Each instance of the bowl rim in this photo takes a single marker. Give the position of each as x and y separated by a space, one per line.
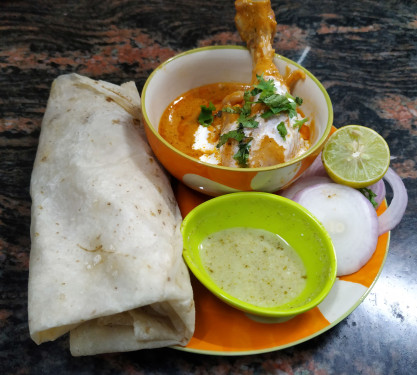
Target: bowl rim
270 312
312 150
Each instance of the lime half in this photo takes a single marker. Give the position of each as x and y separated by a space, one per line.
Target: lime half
356 156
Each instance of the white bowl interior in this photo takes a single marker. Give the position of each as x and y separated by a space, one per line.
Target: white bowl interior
203 66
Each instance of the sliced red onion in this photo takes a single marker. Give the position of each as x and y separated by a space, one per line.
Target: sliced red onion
395 211
303 183
350 219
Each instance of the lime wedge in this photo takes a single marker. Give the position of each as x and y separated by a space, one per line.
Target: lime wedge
356 156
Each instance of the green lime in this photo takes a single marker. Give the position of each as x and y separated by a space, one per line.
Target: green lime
356 156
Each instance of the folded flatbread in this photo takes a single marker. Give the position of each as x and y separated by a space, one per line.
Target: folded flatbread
106 258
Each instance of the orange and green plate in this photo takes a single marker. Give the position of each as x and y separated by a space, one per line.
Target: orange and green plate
223 330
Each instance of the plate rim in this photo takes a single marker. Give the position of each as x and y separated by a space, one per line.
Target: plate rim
309 337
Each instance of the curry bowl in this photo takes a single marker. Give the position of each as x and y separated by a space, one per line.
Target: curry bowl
256 274
207 65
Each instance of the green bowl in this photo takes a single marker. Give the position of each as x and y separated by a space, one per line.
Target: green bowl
276 214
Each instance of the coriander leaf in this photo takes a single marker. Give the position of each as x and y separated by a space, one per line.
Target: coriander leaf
242 156
282 129
247 105
265 88
247 122
232 109
206 115
279 103
255 92
267 114
298 100
292 110
247 95
237 134
370 195
276 100
298 123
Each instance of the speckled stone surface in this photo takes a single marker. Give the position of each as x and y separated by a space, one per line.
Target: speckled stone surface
365 54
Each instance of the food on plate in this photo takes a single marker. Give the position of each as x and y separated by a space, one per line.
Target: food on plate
350 219
241 125
260 253
349 214
356 156
179 125
105 262
253 265
393 215
264 126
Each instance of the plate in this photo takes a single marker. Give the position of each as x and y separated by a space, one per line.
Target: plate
223 330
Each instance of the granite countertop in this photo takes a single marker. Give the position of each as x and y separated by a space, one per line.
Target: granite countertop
364 53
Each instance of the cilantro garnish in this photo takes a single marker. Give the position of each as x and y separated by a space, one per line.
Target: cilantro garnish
232 109
247 104
247 122
206 115
277 103
237 134
298 100
299 123
265 88
274 103
243 120
370 195
242 156
282 129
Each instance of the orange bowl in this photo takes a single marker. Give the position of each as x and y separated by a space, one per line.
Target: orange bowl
207 65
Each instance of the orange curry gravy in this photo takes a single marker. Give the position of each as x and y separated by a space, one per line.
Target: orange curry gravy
179 122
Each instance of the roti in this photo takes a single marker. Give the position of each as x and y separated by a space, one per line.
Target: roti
106 255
